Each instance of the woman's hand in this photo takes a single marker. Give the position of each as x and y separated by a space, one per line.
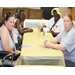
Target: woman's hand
47 43
30 30
16 51
42 28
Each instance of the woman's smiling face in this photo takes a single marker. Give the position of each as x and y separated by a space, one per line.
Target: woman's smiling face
10 23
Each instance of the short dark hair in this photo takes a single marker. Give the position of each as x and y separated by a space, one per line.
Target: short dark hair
54 11
18 14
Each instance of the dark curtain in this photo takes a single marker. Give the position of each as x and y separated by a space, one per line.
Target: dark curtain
47 12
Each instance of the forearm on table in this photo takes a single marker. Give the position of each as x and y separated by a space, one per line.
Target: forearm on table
43 27
58 46
22 32
53 33
54 40
25 31
25 28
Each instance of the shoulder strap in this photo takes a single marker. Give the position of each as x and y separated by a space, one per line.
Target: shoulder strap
54 24
2 27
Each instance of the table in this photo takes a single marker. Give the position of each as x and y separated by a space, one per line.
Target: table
33 23
36 66
38 54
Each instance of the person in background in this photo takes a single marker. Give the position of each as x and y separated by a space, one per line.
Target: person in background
55 24
19 23
67 41
18 28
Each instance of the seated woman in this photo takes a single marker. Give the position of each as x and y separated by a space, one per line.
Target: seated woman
6 35
67 42
18 28
19 23
55 24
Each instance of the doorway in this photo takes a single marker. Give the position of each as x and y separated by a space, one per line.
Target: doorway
47 12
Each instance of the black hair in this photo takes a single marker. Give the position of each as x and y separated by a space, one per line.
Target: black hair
54 11
18 14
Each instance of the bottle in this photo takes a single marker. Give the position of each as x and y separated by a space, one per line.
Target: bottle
44 31
39 29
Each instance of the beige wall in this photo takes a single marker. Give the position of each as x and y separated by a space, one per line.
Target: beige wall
1 8
63 10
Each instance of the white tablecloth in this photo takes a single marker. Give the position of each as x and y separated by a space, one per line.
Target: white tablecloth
33 23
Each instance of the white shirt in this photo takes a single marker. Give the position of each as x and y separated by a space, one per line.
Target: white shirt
11 43
58 26
16 33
